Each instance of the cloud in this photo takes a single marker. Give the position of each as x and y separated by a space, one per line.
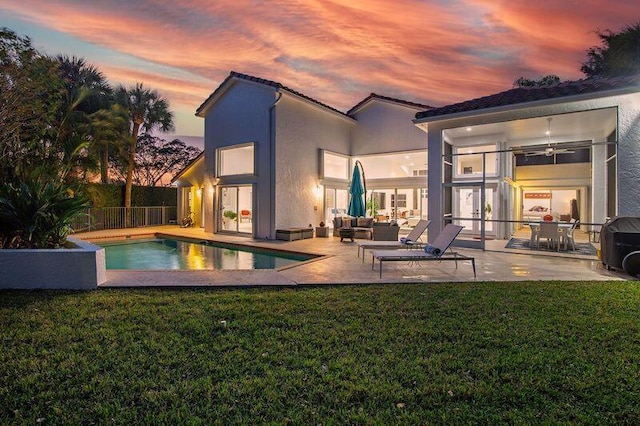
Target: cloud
435 52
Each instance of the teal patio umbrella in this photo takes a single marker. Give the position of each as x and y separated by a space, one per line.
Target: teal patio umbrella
356 205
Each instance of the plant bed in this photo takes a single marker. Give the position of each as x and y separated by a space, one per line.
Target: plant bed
76 266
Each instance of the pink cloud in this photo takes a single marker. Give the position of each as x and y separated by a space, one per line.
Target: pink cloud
335 51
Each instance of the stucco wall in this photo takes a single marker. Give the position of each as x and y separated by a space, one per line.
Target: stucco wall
386 127
241 115
629 156
302 130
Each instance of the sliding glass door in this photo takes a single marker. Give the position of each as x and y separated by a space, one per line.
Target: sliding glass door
236 209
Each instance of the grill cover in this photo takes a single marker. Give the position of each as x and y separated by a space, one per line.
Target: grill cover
619 237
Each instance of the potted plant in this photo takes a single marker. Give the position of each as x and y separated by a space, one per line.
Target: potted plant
228 216
487 211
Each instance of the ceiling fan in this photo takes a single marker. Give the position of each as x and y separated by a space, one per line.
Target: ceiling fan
548 149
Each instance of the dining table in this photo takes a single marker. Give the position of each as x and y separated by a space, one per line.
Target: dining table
563 227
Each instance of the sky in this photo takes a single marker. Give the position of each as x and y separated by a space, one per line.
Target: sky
434 52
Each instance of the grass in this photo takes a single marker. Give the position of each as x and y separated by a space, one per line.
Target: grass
534 352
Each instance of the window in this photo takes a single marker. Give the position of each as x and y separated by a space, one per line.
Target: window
236 160
469 160
334 166
400 201
398 165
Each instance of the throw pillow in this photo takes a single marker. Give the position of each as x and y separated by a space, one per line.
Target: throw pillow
429 249
337 222
346 222
365 222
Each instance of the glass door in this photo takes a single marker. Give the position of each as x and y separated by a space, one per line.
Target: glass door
236 209
468 209
336 203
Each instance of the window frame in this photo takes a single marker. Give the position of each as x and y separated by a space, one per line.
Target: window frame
219 159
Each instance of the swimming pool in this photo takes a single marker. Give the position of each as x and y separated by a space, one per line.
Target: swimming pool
168 253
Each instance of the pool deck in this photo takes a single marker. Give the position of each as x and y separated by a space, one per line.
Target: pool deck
339 264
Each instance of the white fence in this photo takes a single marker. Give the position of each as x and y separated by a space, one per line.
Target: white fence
96 219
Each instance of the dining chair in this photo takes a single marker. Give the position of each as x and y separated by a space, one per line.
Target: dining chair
567 235
549 231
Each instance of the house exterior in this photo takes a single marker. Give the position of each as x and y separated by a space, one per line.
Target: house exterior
571 150
276 159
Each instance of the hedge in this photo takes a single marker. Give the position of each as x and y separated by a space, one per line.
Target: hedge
112 195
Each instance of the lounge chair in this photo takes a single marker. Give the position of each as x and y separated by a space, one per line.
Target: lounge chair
435 251
411 239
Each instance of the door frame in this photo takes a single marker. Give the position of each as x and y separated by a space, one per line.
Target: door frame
221 208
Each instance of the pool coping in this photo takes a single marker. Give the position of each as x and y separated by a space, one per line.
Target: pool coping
231 245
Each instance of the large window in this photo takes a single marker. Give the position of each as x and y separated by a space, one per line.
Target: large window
468 161
334 166
236 160
388 166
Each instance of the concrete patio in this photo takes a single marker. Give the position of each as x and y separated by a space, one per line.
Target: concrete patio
339 264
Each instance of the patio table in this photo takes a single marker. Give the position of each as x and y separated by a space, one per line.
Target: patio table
535 227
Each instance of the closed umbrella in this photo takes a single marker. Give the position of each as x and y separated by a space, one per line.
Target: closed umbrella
356 205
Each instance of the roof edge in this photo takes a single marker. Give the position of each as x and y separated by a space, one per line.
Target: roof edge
402 102
278 86
523 97
187 167
524 105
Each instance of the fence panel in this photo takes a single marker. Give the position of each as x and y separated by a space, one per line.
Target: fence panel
95 219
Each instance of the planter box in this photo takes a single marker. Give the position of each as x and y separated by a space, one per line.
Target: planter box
79 266
290 234
322 231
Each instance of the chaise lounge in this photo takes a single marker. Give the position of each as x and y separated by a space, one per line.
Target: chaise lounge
412 239
436 251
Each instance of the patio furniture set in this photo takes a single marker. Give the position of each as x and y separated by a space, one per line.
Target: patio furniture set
555 234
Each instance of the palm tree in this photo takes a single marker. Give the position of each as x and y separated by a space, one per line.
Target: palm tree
110 134
148 111
85 91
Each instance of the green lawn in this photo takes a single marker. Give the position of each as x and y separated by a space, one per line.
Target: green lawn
534 352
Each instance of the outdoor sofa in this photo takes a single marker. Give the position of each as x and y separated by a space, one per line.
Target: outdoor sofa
362 226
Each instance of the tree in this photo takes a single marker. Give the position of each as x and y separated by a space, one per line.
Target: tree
109 133
86 91
30 98
155 158
147 111
618 54
547 80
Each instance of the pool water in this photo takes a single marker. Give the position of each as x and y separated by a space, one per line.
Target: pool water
165 253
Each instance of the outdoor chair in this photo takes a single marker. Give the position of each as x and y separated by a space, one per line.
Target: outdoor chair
412 239
566 235
548 231
436 251
245 215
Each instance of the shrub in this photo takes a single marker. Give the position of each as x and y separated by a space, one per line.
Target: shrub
37 214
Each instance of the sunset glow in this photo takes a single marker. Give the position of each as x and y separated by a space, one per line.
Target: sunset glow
337 52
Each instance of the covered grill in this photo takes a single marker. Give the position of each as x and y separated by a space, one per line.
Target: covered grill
619 237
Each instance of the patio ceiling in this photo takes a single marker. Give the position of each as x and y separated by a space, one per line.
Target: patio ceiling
593 125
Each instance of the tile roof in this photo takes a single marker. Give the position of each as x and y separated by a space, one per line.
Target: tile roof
386 98
530 94
266 82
